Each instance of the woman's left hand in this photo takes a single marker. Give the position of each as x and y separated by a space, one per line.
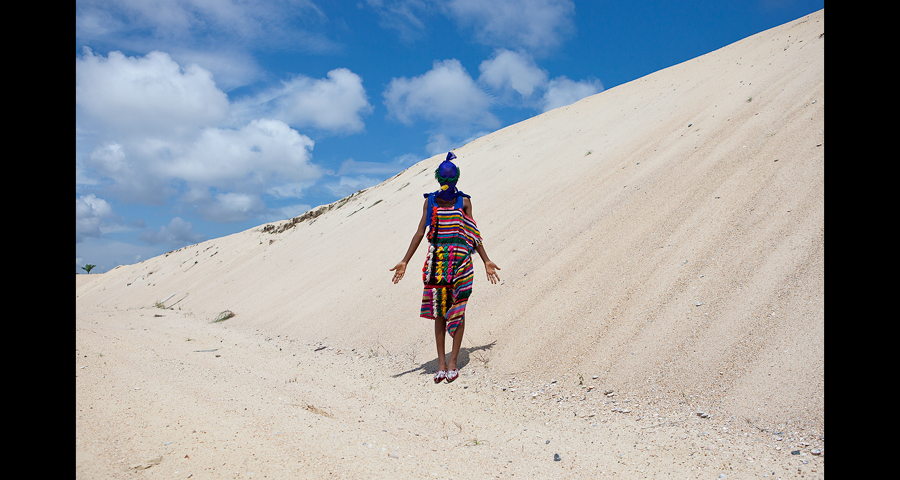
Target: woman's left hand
399 270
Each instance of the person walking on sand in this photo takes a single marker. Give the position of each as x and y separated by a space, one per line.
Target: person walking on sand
448 273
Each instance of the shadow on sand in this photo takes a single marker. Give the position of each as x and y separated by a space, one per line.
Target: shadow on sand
465 354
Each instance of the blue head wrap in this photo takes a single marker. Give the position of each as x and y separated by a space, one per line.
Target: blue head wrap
447 174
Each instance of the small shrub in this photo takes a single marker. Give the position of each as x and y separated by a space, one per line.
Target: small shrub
224 316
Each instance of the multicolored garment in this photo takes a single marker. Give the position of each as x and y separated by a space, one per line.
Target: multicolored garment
448 271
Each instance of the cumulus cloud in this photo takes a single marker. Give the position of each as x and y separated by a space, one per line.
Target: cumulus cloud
561 91
247 159
92 215
446 95
149 129
225 172
149 95
109 158
335 103
538 26
507 70
178 232
127 177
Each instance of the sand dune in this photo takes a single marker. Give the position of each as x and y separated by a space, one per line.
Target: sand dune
662 240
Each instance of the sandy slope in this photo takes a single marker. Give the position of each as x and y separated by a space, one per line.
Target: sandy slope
665 236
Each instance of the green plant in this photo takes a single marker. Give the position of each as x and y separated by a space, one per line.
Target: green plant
87 268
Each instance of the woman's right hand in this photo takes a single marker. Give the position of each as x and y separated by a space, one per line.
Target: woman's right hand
491 270
399 270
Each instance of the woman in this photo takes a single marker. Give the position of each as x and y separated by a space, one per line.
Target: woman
453 236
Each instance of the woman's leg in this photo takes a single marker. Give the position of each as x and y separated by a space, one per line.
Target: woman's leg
457 342
440 325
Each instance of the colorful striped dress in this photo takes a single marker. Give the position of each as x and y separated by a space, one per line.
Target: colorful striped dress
448 271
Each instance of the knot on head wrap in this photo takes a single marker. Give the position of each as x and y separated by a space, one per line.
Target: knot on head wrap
447 174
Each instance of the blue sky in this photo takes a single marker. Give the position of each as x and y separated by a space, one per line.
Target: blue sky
198 119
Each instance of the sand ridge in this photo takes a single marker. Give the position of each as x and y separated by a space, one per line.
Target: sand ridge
665 236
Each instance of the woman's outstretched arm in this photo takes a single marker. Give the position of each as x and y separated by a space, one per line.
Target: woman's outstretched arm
489 267
400 268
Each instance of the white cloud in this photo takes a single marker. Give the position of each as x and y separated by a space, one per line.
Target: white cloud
92 216
109 159
265 156
536 25
446 94
150 95
149 128
335 104
507 70
261 153
561 91
178 232
227 171
128 176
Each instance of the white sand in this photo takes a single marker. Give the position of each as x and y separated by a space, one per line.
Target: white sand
665 236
